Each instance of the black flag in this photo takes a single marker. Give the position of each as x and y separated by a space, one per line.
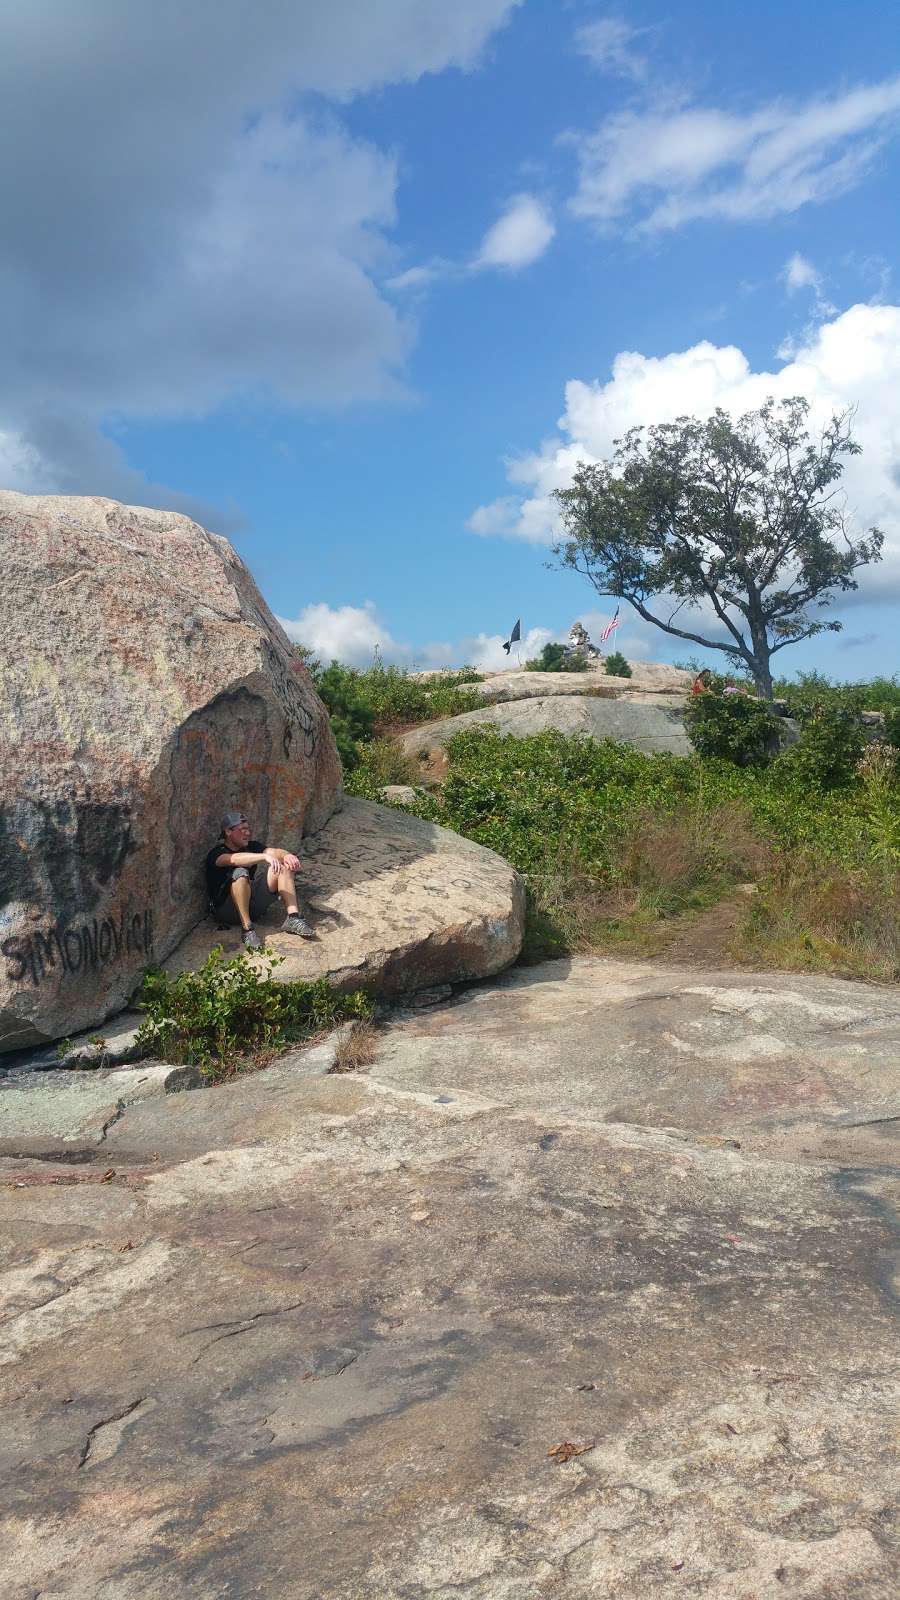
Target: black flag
514 637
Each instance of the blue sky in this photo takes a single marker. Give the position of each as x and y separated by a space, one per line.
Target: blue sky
358 287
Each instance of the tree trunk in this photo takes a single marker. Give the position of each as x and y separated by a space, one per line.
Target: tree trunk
762 674
759 666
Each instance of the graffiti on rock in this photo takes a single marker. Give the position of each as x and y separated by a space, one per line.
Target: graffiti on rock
77 948
289 682
67 850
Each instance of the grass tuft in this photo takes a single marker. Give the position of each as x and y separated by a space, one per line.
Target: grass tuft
357 1047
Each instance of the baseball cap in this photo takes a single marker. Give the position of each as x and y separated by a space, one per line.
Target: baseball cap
231 819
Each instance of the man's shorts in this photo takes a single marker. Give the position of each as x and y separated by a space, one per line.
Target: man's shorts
261 897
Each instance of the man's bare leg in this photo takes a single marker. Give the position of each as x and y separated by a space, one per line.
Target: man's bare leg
240 895
284 885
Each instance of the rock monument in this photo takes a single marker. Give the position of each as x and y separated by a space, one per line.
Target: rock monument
580 646
146 688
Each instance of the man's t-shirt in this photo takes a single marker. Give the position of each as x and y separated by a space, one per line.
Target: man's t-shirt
218 879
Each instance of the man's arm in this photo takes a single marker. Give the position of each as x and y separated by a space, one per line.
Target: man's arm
243 858
283 857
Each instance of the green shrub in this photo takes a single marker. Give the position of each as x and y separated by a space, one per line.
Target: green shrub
892 727
233 1009
396 697
611 841
734 727
360 703
380 763
813 914
831 744
812 689
553 658
617 666
352 718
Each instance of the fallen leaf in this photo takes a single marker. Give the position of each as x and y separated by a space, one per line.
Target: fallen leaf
731 1429
109 1173
566 1450
677 1566
126 1246
586 1386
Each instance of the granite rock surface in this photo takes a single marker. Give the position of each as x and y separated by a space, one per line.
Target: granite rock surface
397 904
147 688
649 722
588 1288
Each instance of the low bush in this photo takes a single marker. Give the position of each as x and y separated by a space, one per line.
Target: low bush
380 763
351 713
612 842
831 744
735 727
363 703
814 914
554 658
397 697
232 1010
809 690
617 666
892 727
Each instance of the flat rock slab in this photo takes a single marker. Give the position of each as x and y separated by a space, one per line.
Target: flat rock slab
55 1115
397 904
588 1288
652 678
114 1043
647 722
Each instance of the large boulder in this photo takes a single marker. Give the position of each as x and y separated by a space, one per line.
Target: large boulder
397 904
649 722
654 677
146 689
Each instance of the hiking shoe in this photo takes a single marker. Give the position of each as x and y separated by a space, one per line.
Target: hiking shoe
294 923
251 940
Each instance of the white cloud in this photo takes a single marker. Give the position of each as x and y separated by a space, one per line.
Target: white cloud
660 169
608 43
350 634
518 237
799 274
853 359
484 651
423 277
181 227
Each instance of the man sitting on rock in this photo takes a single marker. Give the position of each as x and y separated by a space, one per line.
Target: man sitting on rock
237 893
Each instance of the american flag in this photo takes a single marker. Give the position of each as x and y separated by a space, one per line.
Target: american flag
610 627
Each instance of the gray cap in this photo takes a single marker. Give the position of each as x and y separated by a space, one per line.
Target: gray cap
231 819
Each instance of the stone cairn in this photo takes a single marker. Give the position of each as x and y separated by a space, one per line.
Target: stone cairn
581 647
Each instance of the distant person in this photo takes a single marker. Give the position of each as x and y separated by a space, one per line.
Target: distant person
701 682
238 893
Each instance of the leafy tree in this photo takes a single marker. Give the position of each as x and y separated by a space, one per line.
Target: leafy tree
617 666
742 517
553 658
